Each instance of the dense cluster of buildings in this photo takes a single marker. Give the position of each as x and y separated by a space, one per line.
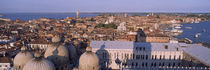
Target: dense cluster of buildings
118 42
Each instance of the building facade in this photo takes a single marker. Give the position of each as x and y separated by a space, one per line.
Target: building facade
136 55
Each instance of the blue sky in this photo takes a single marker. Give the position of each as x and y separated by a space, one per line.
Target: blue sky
31 6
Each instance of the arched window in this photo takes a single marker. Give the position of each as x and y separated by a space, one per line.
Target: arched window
163 64
174 57
146 64
163 56
146 57
136 64
170 57
159 64
142 64
155 57
152 57
179 57
160 57
174 64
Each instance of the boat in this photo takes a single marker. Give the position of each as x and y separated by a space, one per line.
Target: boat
196 22
176 31
188 27
177 27
197 35
204 30
187 40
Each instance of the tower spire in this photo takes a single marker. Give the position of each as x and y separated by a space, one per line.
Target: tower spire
77 13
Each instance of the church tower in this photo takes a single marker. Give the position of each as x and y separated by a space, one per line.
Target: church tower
77 13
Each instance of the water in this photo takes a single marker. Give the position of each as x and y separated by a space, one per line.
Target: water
30 16
196 28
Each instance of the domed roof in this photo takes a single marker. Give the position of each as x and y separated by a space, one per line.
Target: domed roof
56 39
22 58
72 52
39 63
58 54
88 60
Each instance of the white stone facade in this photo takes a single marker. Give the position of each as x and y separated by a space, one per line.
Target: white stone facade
145 56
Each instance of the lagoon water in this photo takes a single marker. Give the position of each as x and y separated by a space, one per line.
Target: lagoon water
203 28
30 16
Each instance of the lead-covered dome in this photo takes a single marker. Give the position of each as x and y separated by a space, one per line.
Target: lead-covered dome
72 52
58 54
22 58
56 39
88 60
39 63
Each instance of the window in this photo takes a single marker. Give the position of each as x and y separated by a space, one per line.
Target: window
174 57
159 64
142 64
132 64
179 57
131 56
136 64
105 55
163 56
144 48
174 64
155 64
160 57
151 64
155 57
146 57
122 55
152 57
179 64
115 56
170 57
125 56
137 56
146 64
166 46
163 64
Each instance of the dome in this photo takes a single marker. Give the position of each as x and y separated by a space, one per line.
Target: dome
22 58
39 63
58 54
88 60
72 52
56 39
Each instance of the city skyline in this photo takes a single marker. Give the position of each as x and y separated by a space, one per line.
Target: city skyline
55 6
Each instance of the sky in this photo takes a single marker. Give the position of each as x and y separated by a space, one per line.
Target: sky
45 6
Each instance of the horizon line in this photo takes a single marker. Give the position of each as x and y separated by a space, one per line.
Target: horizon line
104 12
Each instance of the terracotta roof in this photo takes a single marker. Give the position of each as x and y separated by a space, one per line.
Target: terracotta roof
5 60
39 41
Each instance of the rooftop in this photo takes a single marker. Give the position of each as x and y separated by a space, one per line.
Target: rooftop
197 51
133 45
